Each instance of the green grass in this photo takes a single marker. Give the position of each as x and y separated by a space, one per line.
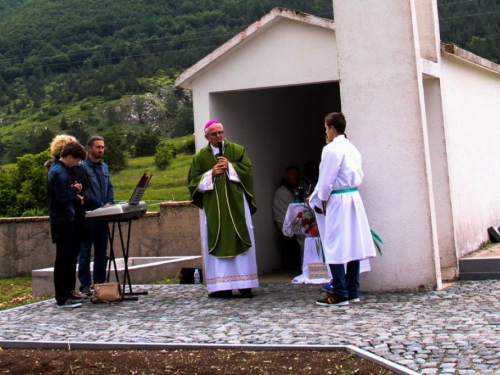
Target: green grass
16 291
167 280
165 186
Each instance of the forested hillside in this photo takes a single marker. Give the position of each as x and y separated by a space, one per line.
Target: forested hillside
473 25
82 66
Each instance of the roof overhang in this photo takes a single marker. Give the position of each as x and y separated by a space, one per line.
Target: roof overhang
189 75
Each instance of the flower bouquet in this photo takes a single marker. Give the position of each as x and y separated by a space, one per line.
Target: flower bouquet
305 223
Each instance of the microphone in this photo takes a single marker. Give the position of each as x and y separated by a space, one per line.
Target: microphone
220 148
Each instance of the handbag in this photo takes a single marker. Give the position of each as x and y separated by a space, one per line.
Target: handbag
107 292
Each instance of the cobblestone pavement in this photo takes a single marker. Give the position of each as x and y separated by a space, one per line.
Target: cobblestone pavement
452 331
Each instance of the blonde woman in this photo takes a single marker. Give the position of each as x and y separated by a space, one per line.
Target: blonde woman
78 176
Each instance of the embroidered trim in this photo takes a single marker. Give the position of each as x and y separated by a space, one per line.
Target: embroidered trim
227 279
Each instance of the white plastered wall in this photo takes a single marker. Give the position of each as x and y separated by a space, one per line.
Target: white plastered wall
285 53
440 178
383 100
471 97
272 93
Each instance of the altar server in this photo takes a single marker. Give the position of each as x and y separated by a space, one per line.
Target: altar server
346 235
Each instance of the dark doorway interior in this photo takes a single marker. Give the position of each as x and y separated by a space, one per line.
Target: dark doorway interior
279 127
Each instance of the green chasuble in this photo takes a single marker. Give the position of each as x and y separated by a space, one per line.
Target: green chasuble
224 206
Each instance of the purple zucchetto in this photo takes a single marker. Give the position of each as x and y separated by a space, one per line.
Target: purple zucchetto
211 122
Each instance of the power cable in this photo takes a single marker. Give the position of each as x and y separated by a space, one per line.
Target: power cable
469 15
139 43
457 2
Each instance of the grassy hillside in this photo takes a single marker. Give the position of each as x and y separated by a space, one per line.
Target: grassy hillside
109 62
168 185
91 64
23 184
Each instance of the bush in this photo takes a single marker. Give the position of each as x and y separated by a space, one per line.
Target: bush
165 152
187 147
53 111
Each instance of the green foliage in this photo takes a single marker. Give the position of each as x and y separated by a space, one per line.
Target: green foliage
43 141
23 184
165 152
472 25
77 130
146 143
79 57
114 154
188 146
166 185
23 188
185 122
71 61
63 124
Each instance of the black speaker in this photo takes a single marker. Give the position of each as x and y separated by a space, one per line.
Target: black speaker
494 233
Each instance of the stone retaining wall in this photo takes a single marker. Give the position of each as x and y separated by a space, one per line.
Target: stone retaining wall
25 243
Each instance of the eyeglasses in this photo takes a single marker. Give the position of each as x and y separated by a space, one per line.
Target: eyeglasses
215 134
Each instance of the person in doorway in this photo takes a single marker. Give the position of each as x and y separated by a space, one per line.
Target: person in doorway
286 194
63 196
346 236
78 176
310 178
102 195
220 183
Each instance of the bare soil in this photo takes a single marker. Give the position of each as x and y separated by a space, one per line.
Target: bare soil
131 362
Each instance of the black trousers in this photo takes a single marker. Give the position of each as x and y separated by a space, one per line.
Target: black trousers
67 247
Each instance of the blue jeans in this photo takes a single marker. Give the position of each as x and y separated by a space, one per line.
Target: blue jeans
100 242
346 283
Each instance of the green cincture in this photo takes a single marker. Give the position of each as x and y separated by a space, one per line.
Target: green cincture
376 239
343 191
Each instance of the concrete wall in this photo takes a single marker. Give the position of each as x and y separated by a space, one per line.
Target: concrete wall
383 99
440 179
427 25
471 97
25 243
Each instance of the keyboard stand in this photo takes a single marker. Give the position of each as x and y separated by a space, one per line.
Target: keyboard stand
125 250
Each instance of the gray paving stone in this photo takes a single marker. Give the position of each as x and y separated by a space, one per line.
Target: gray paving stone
455 330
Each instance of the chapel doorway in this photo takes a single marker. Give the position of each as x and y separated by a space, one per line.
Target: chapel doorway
279 127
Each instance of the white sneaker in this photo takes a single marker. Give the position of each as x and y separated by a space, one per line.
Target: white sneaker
69 303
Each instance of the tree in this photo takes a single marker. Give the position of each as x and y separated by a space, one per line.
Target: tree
146 143
165 152
188 146
63 124
170 105
43 141
184 123
23 189
114 155
77 130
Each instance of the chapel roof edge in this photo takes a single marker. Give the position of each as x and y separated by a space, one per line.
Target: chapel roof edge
184 80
